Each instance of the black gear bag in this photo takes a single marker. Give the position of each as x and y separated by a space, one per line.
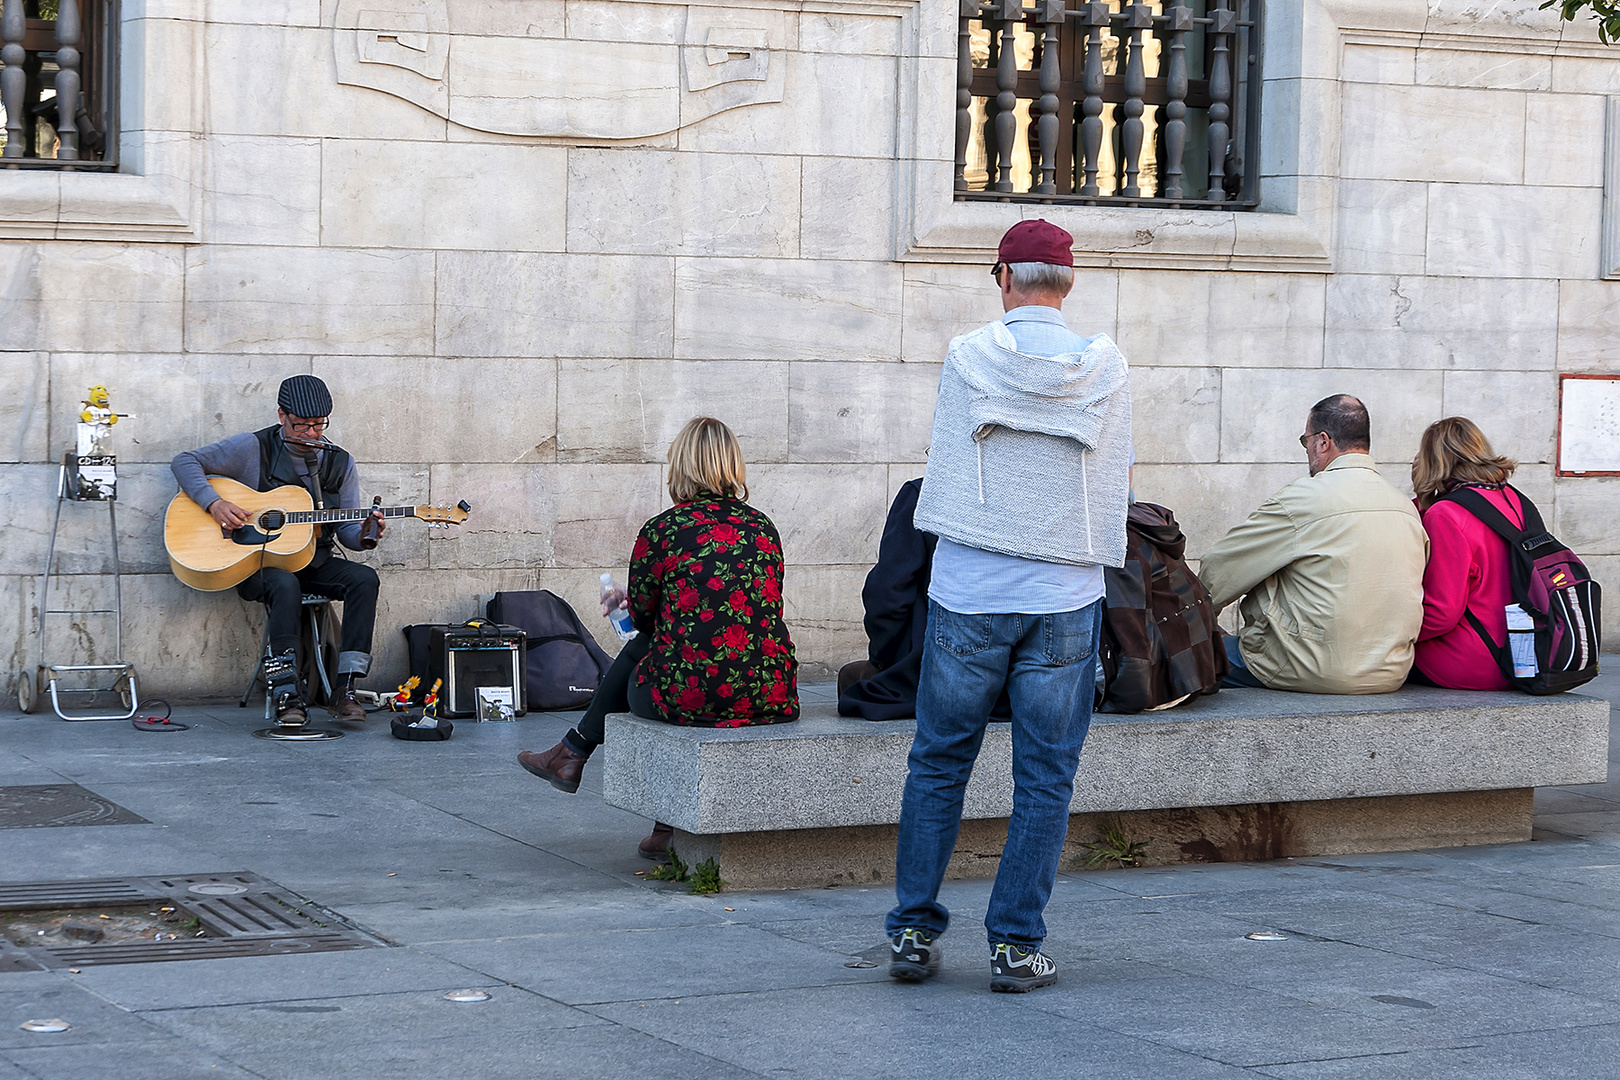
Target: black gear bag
564 663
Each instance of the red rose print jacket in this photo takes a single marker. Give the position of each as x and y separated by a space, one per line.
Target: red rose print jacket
706 586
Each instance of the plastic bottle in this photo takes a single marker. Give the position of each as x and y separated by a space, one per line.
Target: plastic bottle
1521 629
617 616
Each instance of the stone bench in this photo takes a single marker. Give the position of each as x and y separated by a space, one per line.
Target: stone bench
1243 774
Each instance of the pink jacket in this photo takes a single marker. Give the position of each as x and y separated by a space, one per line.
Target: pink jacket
1468 570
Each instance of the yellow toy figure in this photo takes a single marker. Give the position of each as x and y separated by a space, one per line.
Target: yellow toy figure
96 421
430 703
401 701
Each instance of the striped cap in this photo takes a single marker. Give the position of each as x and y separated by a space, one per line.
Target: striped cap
305 396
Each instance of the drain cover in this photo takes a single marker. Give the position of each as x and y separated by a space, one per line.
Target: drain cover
41 806
243 914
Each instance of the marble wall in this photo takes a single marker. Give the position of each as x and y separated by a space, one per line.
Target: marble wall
524 318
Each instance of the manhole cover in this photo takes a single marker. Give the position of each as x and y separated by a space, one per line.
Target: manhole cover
43 806
202 916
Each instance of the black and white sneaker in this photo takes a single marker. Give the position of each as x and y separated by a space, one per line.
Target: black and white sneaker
1016 970
913 955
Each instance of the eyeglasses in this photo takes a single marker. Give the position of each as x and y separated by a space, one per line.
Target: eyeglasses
995 271
313 426
1305 439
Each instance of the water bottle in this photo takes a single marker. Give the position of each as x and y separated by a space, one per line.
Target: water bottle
1521 630
617 617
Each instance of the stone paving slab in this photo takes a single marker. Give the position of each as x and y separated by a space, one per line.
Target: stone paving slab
500 880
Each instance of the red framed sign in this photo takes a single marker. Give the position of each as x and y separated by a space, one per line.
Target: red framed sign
1589 425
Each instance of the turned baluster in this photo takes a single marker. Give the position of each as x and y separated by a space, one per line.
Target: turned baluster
1047 127
1011 15
1093 16
67 79
968 11
1175 111
13 80
1222 23
1138 17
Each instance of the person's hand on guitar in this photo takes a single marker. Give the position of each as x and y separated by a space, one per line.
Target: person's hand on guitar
228 514
375 526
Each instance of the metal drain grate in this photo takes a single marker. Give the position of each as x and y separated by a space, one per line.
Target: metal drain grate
244 915
42 806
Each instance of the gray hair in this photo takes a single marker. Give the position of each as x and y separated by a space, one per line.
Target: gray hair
1041 277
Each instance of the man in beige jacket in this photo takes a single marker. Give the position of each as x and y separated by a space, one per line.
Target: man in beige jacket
1330 569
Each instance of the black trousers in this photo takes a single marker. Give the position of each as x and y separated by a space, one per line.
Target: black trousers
355 584
618 692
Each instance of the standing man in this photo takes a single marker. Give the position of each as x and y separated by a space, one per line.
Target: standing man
1027 483
290 452
1330 569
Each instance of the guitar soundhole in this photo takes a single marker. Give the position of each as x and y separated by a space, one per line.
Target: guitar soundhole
272 520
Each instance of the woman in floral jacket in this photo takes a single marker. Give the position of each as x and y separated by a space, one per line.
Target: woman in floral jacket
705 596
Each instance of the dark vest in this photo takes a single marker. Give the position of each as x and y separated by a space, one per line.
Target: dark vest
276 469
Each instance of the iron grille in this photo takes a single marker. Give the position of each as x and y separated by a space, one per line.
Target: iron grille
1111 103
56 57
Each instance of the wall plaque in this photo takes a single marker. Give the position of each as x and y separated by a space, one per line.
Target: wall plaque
1589 425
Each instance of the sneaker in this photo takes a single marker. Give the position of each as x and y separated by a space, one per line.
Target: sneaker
1016 970
913 955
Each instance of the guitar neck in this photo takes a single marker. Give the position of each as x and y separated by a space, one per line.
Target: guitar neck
333 517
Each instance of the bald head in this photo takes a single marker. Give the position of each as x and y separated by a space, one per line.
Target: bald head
1343 419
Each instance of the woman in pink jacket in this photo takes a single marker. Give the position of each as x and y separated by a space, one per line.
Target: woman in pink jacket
1468 563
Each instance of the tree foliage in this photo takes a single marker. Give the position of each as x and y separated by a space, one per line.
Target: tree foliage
1606 12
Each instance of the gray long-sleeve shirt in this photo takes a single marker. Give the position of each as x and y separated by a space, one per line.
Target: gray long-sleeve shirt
238 458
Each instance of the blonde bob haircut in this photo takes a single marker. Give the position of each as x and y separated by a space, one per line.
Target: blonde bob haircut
1455 451
705 456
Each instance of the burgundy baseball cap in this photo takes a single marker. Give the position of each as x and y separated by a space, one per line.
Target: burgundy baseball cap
1036 240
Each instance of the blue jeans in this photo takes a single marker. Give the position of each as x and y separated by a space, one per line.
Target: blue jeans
1239 676
1047 664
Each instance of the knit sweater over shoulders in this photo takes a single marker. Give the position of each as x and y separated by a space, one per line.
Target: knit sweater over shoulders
1030 456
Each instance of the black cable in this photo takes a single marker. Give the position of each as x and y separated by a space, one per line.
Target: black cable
158 723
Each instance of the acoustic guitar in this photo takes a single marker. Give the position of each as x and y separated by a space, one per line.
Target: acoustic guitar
281 533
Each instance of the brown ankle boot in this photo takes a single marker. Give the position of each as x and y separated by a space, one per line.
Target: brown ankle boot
344 704
561 766
656 846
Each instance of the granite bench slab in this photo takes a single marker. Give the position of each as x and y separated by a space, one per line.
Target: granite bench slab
1420 767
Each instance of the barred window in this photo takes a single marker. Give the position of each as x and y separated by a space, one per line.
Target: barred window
59 84
1110 103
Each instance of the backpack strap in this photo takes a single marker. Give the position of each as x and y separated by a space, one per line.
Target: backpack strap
1502 653
1527 540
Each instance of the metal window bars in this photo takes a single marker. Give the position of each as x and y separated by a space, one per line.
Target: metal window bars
1109 103
59 84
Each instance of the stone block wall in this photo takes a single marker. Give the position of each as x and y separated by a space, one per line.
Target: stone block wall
523 319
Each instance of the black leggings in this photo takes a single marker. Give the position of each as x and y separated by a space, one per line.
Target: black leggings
618 692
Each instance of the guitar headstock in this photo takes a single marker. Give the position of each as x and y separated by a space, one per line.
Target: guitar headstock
444 516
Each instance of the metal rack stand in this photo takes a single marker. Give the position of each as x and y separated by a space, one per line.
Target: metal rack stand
45 678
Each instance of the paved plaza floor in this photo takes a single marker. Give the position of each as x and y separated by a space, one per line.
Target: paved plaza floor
1485 963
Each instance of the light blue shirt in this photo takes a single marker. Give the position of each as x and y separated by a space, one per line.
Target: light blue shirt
970 581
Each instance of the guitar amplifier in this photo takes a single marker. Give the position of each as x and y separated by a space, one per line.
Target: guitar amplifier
467 657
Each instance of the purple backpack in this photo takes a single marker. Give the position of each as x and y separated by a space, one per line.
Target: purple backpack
1552 586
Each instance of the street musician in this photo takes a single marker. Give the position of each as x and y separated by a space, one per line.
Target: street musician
295 451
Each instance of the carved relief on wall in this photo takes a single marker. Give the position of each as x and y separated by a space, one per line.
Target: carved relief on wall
672 67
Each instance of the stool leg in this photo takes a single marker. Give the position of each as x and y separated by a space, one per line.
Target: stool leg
258 670
315 618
